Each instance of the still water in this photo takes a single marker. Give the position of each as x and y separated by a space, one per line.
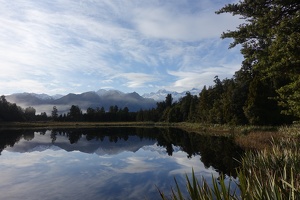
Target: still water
107 163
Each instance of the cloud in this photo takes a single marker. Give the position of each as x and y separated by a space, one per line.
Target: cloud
186 80
165 22
66 46
135 80
23 85
52 47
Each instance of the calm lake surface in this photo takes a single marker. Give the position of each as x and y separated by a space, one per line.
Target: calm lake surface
107 163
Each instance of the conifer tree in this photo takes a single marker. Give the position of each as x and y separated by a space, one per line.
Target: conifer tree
270 38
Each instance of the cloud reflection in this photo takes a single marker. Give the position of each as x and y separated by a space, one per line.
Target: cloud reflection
79 175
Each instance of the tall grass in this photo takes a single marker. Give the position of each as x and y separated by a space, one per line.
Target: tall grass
266 174
202 190
271 173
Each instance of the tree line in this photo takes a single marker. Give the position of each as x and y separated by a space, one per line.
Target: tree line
239 100
114 114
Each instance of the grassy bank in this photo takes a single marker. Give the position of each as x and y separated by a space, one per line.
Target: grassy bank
222 129
248 137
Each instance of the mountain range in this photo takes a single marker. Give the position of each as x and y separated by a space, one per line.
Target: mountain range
100 98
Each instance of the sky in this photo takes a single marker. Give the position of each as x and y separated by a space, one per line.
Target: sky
74 46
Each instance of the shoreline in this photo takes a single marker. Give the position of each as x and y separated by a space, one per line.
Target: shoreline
247 137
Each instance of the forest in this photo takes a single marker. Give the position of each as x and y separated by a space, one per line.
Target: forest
265 91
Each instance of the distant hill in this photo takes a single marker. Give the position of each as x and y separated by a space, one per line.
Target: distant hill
105 98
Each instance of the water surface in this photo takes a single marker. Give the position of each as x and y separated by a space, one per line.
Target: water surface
107 163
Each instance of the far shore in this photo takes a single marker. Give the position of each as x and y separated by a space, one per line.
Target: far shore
248 137
54 124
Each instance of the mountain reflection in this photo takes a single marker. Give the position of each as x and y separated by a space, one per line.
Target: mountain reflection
217 152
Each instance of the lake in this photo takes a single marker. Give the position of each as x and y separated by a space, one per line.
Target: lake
108 163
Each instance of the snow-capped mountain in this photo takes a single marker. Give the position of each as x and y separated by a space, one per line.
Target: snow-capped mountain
103 92
160 95
42 96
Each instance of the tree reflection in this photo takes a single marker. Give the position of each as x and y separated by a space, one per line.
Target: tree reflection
8 138
53 136
28 135
74 136
217 152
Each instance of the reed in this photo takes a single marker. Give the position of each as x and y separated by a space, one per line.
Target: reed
264 174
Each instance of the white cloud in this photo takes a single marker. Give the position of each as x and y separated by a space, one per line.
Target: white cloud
167 23
186 80
135 80
138 165
23 85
